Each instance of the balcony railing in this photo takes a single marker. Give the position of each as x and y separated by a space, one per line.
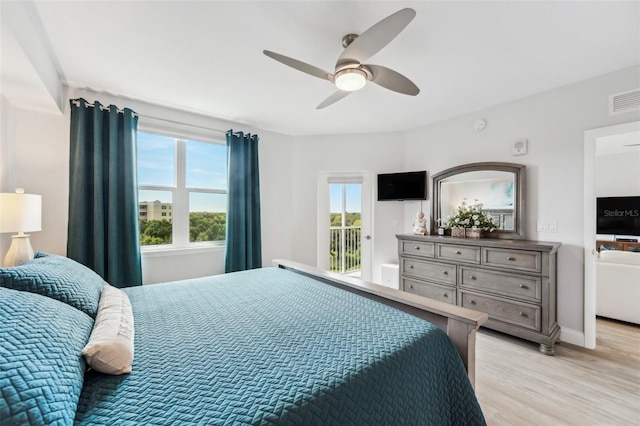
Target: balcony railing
344 249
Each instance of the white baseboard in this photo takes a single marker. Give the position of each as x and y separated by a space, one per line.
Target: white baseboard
574 337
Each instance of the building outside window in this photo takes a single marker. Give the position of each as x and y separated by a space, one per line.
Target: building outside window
182 191
151 210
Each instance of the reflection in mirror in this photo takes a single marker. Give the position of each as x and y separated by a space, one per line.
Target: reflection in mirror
491 188
499 187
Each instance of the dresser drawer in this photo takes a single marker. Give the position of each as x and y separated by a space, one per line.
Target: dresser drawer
432 291
521 314
467 254
506 284
433 271
522 260
416 248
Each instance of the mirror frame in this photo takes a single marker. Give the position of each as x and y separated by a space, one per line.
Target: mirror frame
520 202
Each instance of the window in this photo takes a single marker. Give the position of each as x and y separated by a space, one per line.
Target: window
182 191
345 227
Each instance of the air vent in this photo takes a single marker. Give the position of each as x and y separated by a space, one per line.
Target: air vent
624 102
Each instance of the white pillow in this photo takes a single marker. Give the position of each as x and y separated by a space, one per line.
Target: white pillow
110 346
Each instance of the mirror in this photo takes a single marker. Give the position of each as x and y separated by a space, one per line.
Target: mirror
500 187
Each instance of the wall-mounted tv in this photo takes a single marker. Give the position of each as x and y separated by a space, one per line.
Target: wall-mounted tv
402 186
618 215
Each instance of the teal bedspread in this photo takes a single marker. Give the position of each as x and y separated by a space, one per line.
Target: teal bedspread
270 346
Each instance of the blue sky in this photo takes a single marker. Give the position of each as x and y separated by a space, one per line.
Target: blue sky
353 198
206 166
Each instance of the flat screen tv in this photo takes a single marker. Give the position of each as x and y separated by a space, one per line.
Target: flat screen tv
618 215
402 186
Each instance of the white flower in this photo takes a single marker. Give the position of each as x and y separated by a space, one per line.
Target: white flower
457 219
477 223
475 217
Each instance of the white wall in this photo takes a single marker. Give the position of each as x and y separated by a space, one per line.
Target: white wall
377 153
7 137
41 166
554 123
618 175
32 159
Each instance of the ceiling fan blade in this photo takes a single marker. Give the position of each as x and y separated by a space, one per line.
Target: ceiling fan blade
299 65
392 80
375 38
333 98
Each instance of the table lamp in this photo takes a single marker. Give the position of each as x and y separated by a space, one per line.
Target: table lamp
20 213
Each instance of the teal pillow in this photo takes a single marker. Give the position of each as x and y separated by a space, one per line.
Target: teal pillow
59 278
41 365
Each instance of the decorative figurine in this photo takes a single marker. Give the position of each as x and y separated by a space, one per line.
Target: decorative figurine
420 224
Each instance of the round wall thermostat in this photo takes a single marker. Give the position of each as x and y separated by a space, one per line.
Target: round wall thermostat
479 125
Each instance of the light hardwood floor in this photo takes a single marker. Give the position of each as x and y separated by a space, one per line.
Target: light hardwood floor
517 385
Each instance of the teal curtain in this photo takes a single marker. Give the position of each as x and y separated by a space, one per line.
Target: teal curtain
244 244
103 231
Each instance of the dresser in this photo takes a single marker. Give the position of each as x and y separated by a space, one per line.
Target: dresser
514 281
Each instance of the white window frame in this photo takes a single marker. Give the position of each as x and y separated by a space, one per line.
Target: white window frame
180 198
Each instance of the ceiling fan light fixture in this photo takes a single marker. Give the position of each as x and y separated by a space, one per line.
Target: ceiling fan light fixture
350 79
351 72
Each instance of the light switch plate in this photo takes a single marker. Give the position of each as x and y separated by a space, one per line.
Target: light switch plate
547 226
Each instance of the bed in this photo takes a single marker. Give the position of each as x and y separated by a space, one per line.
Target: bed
281 345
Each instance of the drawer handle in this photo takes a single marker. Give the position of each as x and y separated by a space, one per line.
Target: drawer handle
445 272
445 295
458 252
522 314
511 258
410 266
471 277
526 287
411 286
473 302
417 247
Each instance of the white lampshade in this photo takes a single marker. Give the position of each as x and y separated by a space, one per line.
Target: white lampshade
350 79
20 212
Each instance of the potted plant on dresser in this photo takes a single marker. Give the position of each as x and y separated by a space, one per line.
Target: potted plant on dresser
469 221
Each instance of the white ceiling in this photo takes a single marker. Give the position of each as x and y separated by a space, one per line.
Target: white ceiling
206 56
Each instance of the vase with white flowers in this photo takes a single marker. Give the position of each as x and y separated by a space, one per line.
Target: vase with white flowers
469 220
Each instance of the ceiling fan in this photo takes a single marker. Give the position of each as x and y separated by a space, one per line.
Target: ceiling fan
350 73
